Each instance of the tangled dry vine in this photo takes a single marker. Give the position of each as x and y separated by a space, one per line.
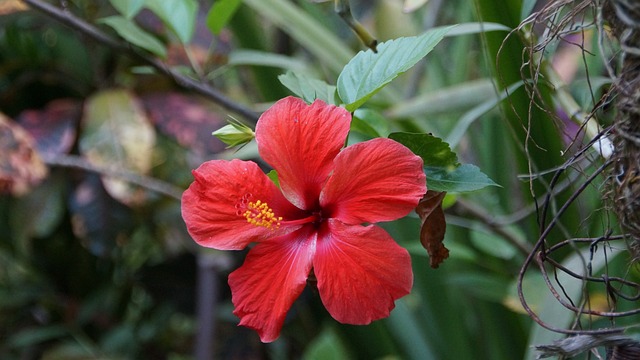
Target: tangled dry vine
616 173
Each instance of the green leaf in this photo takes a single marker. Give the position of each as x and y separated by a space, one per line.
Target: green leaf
309 89
369 122
39 212
273 175
475 28
492 245
410 336
36 335
456 251
220 13
485 286
433 151
327 345
531 285
320 41
527 8
443 171
179 15
70 350
128 30
464 178
128 8
264 58
476 112
368 72
445 100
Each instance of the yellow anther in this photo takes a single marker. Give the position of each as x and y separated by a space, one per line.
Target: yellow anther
260 214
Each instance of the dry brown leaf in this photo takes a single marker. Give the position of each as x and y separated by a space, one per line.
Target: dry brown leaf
433 227
11 6
20 165
188 119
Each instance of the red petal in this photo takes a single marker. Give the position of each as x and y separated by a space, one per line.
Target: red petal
209 204
272 277
300 142
361 271
376 180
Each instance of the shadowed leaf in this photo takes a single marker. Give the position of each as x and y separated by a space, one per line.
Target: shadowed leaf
432 150
187 119
96 218
37 213
369 122
54 127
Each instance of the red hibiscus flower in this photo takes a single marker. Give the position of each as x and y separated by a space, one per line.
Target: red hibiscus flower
320 219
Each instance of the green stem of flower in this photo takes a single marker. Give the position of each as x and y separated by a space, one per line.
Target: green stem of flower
344 10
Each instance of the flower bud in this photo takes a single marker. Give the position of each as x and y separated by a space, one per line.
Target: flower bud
235 133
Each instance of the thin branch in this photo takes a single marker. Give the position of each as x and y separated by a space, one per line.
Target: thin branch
181 80
575 309
343 9
146 182
464 207
536 252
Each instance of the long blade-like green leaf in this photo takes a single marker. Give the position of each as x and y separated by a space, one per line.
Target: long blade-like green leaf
321 42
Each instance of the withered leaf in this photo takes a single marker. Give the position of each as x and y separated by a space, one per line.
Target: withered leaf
12 6
54 127
433 227
20 165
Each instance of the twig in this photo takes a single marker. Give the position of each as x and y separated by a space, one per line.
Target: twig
181 80
463 207
575 309
343 9
146 182
536 252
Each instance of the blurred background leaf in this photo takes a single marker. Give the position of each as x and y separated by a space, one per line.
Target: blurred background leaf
116 132
89 269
